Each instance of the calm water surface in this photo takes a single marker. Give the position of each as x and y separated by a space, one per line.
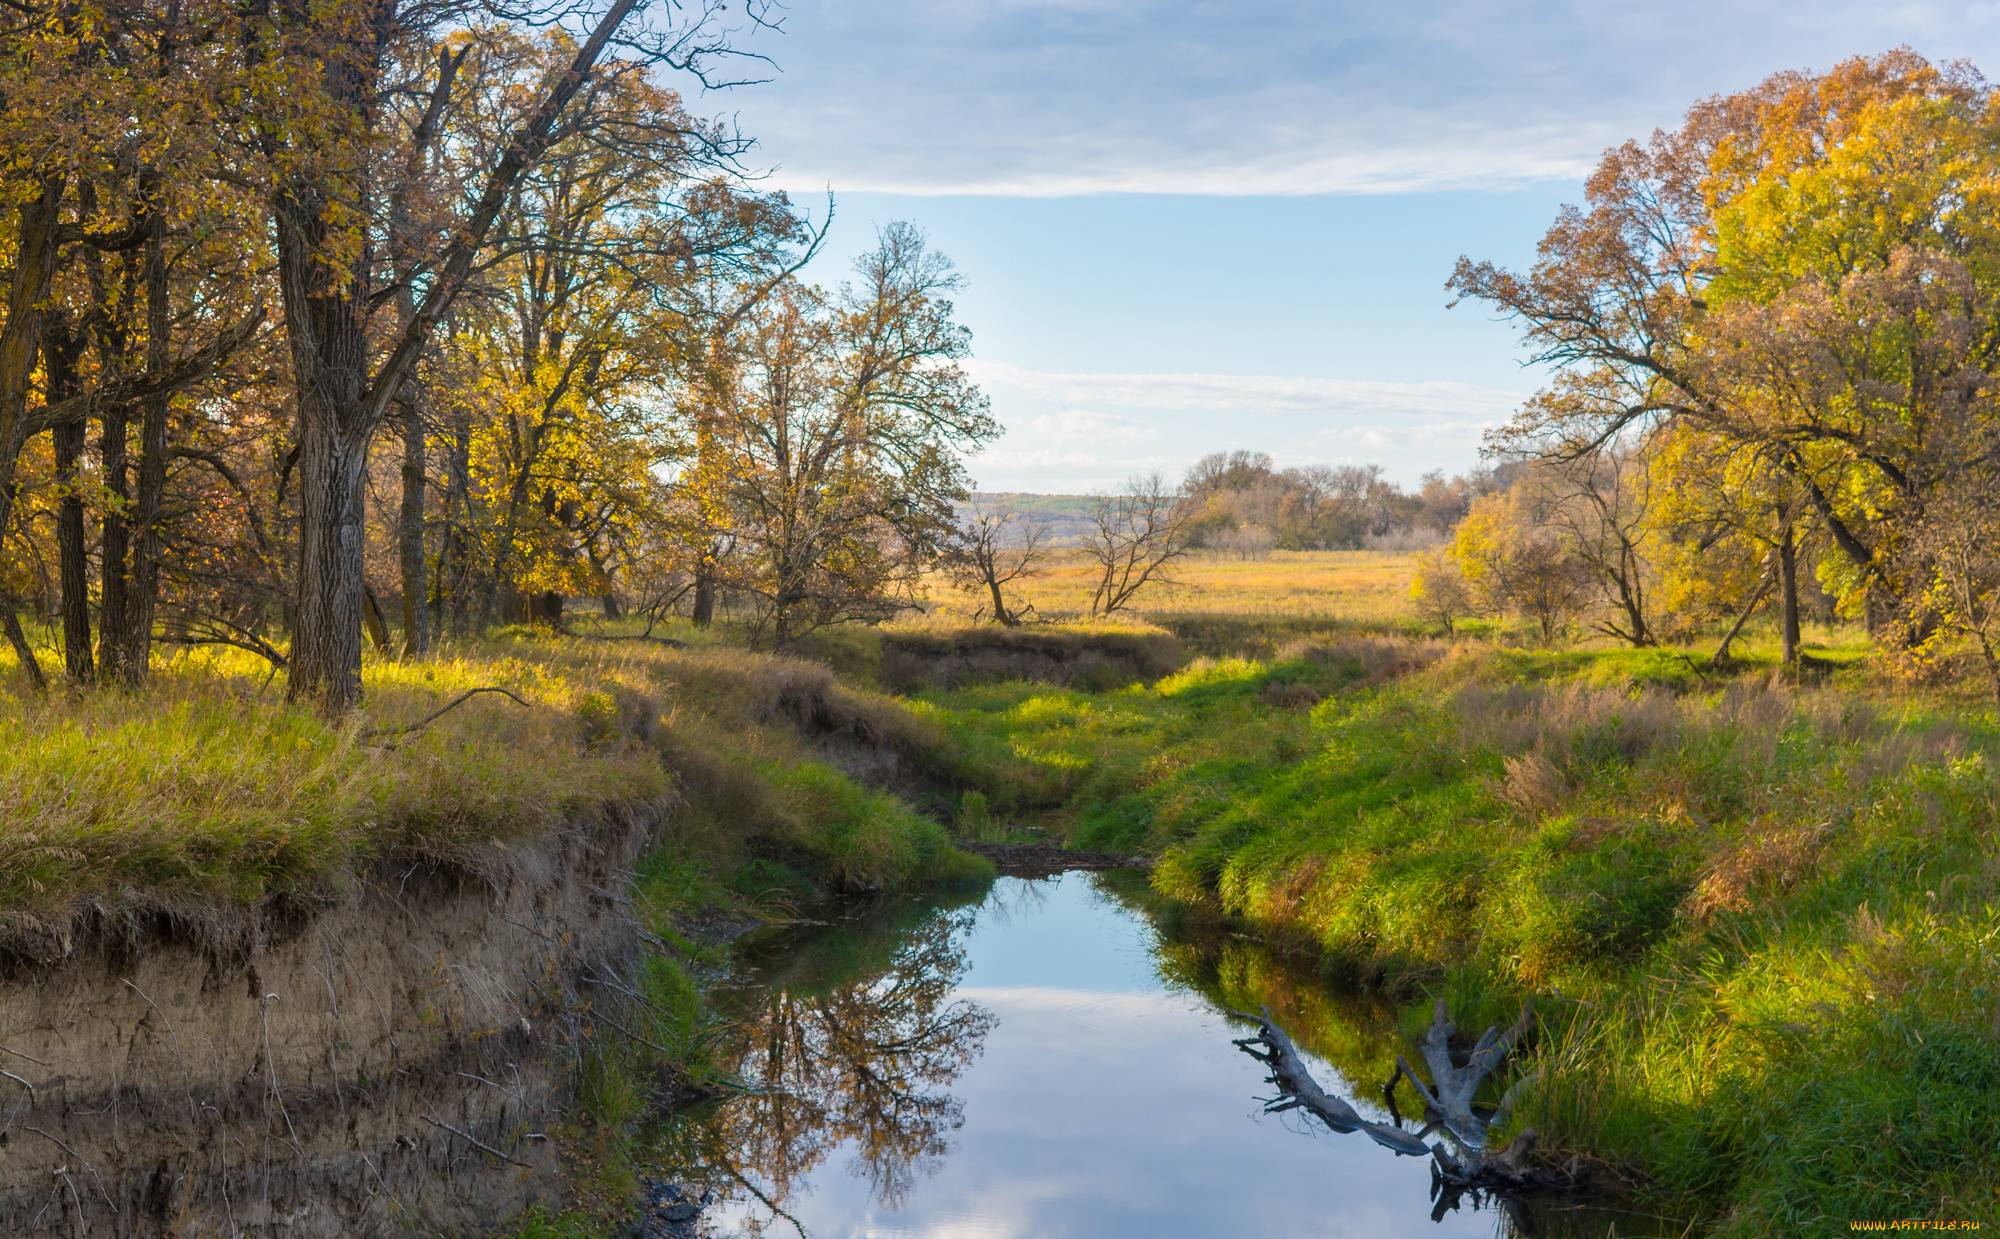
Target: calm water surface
1039 1063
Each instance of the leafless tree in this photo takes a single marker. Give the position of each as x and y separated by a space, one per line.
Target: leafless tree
1136 532
996 547
1602 505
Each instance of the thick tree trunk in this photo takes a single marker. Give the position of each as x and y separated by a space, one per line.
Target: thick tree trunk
410 537
36 230
62 349
326 646
704 595
329 366
1788 597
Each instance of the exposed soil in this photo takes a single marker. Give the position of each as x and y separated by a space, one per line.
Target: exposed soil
395 1066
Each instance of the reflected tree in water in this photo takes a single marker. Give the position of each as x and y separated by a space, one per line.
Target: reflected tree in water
868 1059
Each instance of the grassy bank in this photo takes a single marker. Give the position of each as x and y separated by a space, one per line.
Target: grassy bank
208 790
1760 917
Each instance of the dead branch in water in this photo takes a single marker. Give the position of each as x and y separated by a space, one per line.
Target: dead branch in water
1288 1072
1448 1110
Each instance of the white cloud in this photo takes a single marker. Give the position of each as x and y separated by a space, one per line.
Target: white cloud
1273 96
1082 426
1251 393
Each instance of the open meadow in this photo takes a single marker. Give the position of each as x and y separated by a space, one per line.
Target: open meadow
1366 586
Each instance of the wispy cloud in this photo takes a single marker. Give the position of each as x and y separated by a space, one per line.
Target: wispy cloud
1273 96
1083 426
1249 393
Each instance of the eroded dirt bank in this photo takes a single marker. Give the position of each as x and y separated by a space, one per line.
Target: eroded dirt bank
337 1079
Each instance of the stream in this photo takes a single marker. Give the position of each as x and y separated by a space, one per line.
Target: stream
1039 1060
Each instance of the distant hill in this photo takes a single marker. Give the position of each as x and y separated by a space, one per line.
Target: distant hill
1067 516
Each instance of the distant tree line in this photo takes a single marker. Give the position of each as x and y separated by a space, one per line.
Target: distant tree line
1243 503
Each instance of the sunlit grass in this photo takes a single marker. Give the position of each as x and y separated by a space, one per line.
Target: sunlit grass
208 786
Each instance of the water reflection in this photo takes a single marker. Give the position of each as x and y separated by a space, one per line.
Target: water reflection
1048 1063
849 1037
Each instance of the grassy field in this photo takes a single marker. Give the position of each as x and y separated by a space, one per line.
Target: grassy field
1371 586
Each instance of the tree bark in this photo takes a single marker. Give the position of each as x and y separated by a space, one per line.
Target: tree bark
342 398
704 596
1788 597
410 537
113 563
62 349
143 598
36 233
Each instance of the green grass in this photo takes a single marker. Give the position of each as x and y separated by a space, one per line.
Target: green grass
1760 917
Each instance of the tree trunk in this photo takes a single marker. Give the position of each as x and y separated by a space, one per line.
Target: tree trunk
455 558
73 554
144 595
1000 611
410 537
36 232
372 613
61 350
19 640
1788 597
112 637
704 594
326 648
329 365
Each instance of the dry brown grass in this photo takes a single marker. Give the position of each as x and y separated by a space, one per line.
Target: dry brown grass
1370 586
1769 860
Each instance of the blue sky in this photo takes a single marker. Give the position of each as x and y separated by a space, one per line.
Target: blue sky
1188 226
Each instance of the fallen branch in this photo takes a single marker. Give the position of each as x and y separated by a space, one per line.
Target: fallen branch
397 733
669 642
1721 654
485 1148
1451 1097
1288 1072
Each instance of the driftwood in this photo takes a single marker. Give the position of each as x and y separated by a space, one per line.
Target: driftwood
1465 1166
1298 1090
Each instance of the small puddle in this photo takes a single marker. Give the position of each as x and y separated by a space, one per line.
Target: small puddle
1040 1063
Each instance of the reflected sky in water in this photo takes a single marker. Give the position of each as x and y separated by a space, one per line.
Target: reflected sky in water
1102 1103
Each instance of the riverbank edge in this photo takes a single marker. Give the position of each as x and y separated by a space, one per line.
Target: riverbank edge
393 1058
